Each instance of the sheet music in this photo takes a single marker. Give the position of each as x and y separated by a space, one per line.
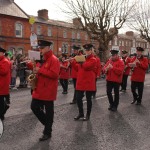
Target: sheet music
34 55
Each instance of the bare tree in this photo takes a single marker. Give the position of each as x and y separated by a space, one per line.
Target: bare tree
101 19
141 19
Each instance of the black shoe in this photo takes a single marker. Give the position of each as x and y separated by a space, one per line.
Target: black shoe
113 109
64 92
78 117
86 118
73 102
133 101
45 137
123 90
110 107
2 117
138 103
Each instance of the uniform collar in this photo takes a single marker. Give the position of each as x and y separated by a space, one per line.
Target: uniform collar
47 55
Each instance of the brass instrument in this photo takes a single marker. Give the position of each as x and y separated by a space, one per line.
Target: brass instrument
133 64
32 77
78 58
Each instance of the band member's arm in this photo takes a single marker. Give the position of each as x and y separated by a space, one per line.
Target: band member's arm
119 69
144 64
52 71
89 65
4 68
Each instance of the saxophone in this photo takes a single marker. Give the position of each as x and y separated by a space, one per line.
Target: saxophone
32 79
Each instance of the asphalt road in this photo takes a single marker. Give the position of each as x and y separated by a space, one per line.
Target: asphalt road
126 129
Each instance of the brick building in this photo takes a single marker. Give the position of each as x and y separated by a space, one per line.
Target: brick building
129 41
15 32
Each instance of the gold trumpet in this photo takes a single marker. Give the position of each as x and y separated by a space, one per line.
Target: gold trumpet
133 64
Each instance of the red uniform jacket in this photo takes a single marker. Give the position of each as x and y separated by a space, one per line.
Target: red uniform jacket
115 74
64 72
98 67
138 74
5 72
86 75
47 79
73 70
126 61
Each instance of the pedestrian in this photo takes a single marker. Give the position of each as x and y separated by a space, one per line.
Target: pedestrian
114 72
74 72
4 82
126 71
44 94
139 65
85 82
13 75
64 73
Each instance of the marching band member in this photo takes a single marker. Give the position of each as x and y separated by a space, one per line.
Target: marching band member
85 82
64 73
5 71
114 72
74 72
126 72
138 75
45 92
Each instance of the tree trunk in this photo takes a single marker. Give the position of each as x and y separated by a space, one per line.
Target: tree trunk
103 52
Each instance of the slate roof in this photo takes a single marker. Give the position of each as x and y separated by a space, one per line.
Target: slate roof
9 7
54 22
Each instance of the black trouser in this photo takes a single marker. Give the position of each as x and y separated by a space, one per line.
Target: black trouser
74 84
124 82
45 116
94 92
3 105
113 85
64 84
79 96
139 86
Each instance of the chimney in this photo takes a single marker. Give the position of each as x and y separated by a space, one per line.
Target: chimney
77 22
12 1
130 33
43 13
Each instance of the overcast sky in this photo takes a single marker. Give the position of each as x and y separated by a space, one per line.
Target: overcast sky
53 6
32 6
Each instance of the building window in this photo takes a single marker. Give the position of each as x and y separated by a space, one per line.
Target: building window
65 48
78 36
38 30
126 43
18 29
122 43
52 46
86 37
119 43
110 42
49 33
65 34
73 35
